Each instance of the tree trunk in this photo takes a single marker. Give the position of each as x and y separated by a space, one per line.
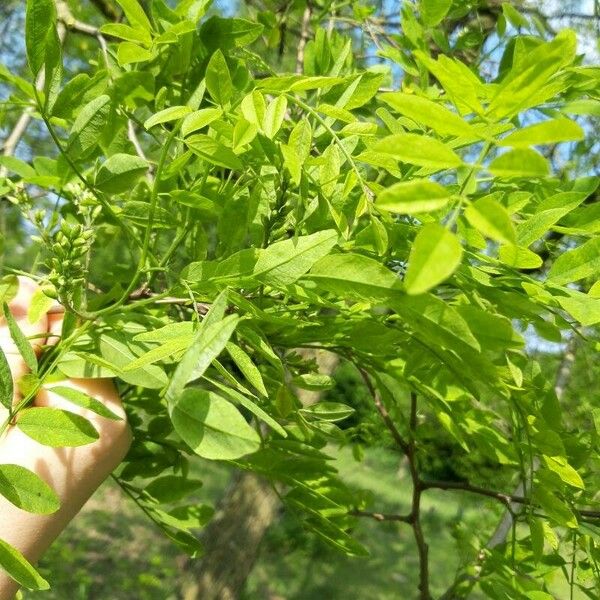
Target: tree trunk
233 539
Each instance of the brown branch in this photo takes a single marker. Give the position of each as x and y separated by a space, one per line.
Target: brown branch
377 516
410 450
422 546
507 499
465 486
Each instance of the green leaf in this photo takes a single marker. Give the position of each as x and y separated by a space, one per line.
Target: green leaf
243 133
40 21
247 367
253 108
436 253
212 427
209 342
117 350
549 212
547 132
537 538
527 84
217 32
354 275
576 264
418 150
429 113
38 306
581 307
19 568
168 332
79 398
433 11
461 84
55 427
252 407
6 382
328 411
413 197
513 16
218 79
555 508
199 119
129 53
173 113
313 381
521 162
274 115
172 488
564 470
168 348
283 263
27 491
18 166
214 152
87 127
135 14
21 342
437 322
125 32
491 219
9 288
120 172
519 258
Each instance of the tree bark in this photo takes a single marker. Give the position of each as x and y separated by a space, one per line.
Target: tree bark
233 539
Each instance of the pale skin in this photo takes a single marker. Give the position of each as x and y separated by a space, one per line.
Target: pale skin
73 473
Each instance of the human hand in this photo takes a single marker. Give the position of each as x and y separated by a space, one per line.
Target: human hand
73 473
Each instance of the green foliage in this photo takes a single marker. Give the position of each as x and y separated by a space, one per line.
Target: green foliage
27 491
253 216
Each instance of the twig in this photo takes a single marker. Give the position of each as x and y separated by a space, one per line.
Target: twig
131 134
71 23
505 498
422 546
377 516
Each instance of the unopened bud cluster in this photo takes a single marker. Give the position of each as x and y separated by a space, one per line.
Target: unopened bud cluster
85 201
69 250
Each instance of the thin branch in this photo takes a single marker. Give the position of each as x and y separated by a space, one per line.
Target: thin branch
132 135
422 546
377 516
473 489
71 23
505 498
